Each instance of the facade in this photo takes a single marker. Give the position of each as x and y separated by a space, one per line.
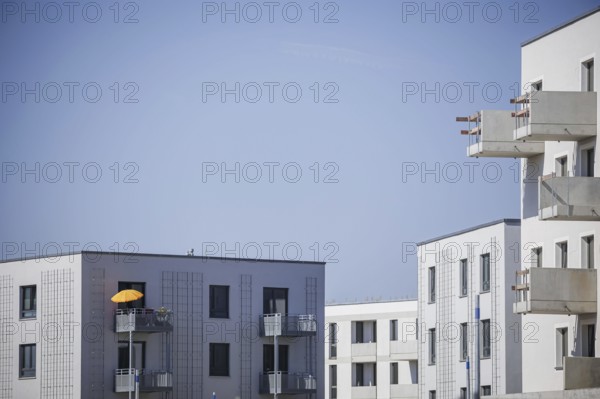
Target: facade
371 350
204 325
454 270
554 129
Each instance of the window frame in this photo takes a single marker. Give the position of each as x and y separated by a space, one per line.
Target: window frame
562 253
394 373
333 330
270 300
30 313
333 381
213 363
486 339
587 252
464 342
561 166
214 310
432 287
464 277
269 358
483 273
432 347
132 285
561 346
31 372
587 75
394 330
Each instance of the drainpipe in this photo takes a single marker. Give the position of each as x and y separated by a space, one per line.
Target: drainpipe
477 362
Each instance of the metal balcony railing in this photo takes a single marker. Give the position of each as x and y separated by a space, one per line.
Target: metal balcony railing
287 383
569 198
287 325
150 380
143 320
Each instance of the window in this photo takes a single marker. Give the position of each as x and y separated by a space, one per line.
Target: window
431 394
587 75
432 346
333 340
219 301
486 390
486 339
140 303
589 340
394 373
359 332
587 252
463 393
432 284
536 86
485 272
587 162
138 359
28 301
561 167
393 330
359 374
275 300
464 277
464 341
27 361
269 358
562 254
219 360
333 382
536 257
562 343
365 374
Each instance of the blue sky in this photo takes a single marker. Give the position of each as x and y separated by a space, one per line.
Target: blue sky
135 159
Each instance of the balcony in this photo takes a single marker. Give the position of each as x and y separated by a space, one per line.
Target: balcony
364 352
555 116
287 384
150 381
143 320
581 372
569 198
287 325
368 392
403 350
546 290
404 391
490 134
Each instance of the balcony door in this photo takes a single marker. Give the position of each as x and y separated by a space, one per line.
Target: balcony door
269 358
275 300
138 360
129 285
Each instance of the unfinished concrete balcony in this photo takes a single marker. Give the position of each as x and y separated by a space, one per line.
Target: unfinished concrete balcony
490 134
143 320
546 290
403 350
284 383
150 380
364 352
366 392
569 198
404 391
287 325
555 116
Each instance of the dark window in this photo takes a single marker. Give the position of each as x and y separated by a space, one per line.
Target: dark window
138 358
537 257
463 393
432 346
587 75
333 340
275 300
219 360
562 345
587 252
394 373
587 168
464 341
486 341
485 272
563 254
590 329
432 284
464 277
359 375
28 301
219 301
393 330
359 335
486 390
537 86
128 285
27 361
333 381
269 358
431 394
561 167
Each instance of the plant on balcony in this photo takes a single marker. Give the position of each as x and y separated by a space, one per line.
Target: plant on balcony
163 314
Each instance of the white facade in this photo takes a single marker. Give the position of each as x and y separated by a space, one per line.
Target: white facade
191 339
452 271
371 350
559 61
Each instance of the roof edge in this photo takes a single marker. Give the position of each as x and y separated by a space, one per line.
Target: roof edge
561 26
509 222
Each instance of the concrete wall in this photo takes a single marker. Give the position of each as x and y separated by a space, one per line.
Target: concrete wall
344 316
555 59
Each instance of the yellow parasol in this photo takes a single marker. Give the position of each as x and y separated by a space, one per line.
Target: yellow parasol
126 296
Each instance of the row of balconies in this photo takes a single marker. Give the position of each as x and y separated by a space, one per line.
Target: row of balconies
399 350
397 391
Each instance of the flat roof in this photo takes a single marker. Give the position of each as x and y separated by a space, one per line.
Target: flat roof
510 222
165 256
370 302
563 25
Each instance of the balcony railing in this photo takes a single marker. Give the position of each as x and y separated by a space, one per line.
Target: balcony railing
569 198
548 290
150 380
143 320
555 116
404 391
490 134
368 392
286 383
403 350
368 349
287 325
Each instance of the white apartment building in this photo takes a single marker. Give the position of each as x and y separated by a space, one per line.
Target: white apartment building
204 325
452 271
371 350
554 129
